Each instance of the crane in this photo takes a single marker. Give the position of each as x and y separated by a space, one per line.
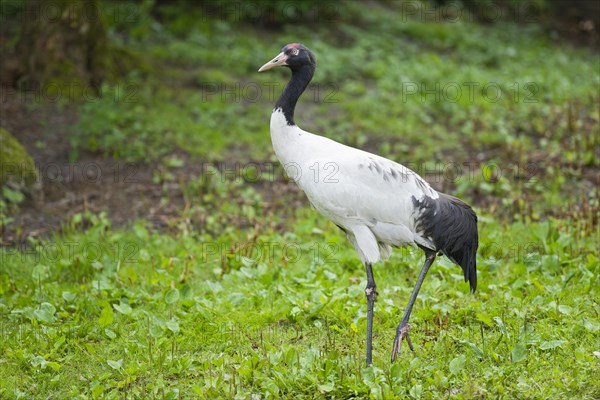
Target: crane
377 202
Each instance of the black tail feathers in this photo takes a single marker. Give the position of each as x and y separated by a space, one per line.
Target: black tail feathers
452 226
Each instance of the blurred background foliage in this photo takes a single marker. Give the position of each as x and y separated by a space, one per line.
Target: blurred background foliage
506 82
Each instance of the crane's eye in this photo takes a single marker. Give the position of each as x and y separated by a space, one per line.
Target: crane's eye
295 52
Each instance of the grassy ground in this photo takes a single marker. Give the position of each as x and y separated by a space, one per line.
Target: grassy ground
248 293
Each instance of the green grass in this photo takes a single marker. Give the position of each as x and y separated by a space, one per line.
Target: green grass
245 295
105 313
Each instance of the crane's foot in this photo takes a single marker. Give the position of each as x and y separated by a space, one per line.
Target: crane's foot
401 333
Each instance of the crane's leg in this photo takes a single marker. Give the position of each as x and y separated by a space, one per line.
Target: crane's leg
403 327
371 292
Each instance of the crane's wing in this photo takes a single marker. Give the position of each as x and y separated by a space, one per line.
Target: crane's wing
366 188
370 197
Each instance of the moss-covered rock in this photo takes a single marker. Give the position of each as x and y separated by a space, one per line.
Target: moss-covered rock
17 168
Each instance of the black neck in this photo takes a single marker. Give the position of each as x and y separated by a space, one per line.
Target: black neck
287 101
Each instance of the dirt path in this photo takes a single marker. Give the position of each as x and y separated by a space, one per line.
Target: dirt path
125 191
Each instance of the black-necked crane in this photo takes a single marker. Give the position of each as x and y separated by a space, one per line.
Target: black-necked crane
377 202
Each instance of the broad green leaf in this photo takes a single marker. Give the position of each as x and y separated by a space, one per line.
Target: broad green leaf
106 316
69 296
484 318
457 364
97 391
591 326
473 347
115 364
40 273
501 326
173 326
186 292
45 313
38 361
396 371
123 308
270 386
328 387
54 365
564 309
330 275
248 262
172 296
519 352
416 391
552 344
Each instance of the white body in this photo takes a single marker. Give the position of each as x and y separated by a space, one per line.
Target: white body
369 196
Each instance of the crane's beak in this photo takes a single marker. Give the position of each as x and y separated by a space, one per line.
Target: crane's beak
278 61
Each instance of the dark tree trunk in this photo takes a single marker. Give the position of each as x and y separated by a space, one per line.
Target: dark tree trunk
63 42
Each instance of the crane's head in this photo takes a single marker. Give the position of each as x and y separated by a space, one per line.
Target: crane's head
293 55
